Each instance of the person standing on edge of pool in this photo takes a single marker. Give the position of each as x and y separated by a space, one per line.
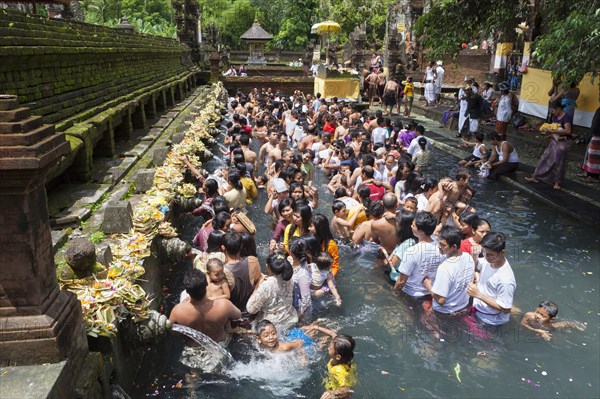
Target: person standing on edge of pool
495 284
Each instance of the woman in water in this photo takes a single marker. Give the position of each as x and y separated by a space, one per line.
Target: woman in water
301 277
299 226
406 239
319 226
273 297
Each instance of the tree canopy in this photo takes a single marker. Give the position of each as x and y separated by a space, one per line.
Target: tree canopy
565 34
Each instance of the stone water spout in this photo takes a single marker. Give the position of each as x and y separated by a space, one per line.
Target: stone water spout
209 356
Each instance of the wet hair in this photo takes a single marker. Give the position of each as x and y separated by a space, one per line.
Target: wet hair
425 222
324 261
305 215
364 193
337 206
422 143
404 221
297 248
494 241
213 263
248 245
312 247
232 243
368 160
279 265
428 183
420 129
220 220
340 192
451 235
412 183
479 137
234 179
557 104
220 204
211 186
322 230
244 139
401 165
294 185
462 173
550 307
468 218
286 202
241 168
194 282
411 199
343 346
262 326
376 208
214 241
479 222
368 171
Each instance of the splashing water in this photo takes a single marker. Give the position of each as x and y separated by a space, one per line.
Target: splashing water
210 357
280 373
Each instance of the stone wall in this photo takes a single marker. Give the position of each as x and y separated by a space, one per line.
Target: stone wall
285 84
93 82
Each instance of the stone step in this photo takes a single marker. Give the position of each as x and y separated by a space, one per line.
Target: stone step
8 101
36 150
26 139
22 126
15 115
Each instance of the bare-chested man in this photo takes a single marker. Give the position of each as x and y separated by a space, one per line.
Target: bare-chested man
380 84
265 150
249 155
371 83
363 231
385 230
202 314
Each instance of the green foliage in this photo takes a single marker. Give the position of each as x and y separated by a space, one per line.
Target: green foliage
152 17
97 237
236 20
572 47
565 34
289 21
496 19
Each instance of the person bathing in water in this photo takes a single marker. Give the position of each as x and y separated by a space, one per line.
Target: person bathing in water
217 282
542 320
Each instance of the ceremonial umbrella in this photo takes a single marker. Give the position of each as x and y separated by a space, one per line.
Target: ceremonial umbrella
326 28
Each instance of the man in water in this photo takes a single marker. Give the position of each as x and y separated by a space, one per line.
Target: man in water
202 314
385 230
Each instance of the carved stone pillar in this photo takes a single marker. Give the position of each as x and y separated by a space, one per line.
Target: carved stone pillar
39 323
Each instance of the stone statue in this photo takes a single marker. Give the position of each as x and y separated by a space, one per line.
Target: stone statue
81 262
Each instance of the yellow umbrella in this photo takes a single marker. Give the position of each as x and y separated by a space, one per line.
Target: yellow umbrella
326 28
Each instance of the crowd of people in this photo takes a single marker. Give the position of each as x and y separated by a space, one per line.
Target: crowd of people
437 250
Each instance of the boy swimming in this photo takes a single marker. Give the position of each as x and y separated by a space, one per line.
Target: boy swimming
542 322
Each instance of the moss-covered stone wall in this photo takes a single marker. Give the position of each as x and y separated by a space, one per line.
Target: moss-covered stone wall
61 69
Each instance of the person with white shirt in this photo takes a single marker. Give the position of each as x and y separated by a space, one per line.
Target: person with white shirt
421 260
449 292
380 134
438 82
495 283
316 105
414 144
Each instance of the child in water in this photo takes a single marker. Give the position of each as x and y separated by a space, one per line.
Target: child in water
542 320
217 282
267 337
322 278
340 225
342 371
